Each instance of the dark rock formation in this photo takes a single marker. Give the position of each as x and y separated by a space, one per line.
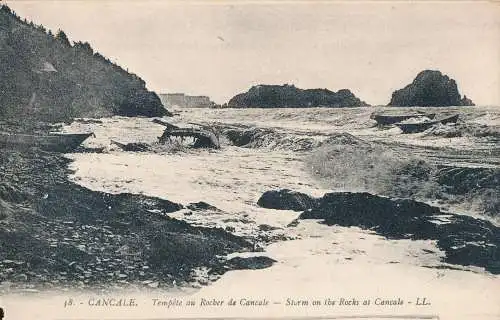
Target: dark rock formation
246 136
466 102
286 200
46 78
252 263
394 217
429 89
288 96
466 240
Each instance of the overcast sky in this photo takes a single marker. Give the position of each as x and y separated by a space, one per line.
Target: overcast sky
222 48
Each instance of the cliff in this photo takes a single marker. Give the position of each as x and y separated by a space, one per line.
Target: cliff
430 89
288 96
47 78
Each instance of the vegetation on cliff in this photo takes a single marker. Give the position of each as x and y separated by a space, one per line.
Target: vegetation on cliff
48 78
288 96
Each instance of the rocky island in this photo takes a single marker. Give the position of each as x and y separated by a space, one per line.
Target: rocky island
289 96
430 88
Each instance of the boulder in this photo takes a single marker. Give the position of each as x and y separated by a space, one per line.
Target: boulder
430 88
286 200
466 240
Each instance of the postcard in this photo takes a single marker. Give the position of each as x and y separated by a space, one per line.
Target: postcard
249 160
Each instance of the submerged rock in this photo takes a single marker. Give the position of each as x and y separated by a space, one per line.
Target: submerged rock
393 217
430 89
285 199
200 206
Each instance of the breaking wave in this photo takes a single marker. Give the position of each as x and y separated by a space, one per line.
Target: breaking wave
351 164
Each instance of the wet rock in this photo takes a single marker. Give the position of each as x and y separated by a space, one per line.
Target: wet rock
253 263
293 224
466 240
396 217
176 250
285 199
201 205
429 89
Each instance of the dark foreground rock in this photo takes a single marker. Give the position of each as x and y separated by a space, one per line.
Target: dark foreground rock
466 240
288 96
430 89
285 199
394 218
54 233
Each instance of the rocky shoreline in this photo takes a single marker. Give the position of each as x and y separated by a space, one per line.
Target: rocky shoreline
466 240
55 234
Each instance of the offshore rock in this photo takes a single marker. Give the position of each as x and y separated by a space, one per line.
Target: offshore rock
288 96
430 88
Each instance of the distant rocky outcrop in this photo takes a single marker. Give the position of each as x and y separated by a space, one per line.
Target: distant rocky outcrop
466 102
288 96
46 77
430 89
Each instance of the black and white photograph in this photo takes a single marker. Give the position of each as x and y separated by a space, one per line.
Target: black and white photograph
165 159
